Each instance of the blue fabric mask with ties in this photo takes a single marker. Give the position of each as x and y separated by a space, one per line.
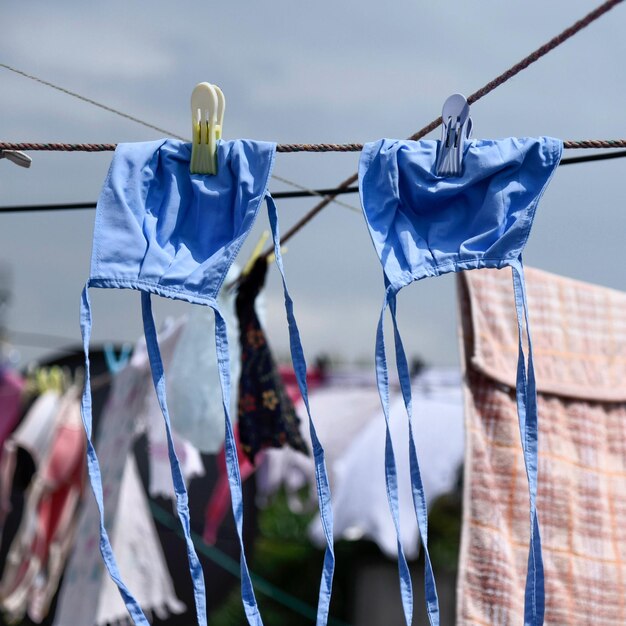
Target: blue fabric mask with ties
424 225
161 230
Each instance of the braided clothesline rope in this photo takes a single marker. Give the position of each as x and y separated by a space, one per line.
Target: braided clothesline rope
58 147
357 147
281 147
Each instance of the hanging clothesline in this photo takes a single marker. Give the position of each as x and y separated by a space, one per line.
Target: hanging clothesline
281 147
73 206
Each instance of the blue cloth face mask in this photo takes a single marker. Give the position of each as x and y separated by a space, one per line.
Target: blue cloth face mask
424 225
161 230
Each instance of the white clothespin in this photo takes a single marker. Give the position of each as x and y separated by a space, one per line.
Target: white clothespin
207 117
455 129
19 158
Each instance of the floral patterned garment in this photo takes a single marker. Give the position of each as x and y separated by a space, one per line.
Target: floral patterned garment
267 417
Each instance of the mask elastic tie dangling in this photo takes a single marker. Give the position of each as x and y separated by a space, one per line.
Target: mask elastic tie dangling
417 487
95 476
526 395
182 499
391 473
321 475
232 467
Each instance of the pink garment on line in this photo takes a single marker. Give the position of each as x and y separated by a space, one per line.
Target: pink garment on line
33 434
579 342
314 378
219 503
39 550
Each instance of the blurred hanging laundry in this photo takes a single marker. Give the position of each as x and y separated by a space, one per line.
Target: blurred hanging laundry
351 426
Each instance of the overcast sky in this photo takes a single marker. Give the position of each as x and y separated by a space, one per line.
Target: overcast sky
301 72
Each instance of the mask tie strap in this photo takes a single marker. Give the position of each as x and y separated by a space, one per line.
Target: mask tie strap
182 500
93 467
526 394
391 473
321 475
232 466
417 488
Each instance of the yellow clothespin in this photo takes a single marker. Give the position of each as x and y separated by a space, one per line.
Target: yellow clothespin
207 118
272 257
256 253
57 379
47 379
41 376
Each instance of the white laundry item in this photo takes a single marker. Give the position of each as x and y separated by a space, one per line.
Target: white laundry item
160 483
339 414
36 428
139 557
439 429
192 377
287 468
359 496
118 428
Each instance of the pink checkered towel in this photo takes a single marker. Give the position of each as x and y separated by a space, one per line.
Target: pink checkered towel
579 341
